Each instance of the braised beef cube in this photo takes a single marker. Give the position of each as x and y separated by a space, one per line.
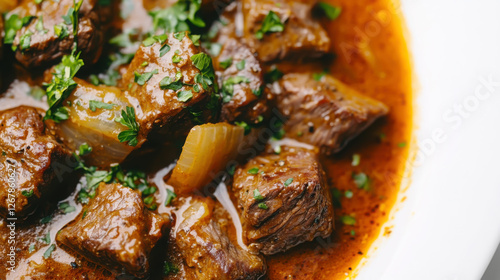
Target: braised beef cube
32 163
170 92
92 118
326 113
301 35
284 200
115 230
241 79
207 251
48 35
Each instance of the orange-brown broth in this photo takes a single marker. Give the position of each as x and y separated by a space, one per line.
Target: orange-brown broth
372 57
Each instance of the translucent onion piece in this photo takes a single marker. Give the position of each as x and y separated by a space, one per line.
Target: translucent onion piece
98 129
207 151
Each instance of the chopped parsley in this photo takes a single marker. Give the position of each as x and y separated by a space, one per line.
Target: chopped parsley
25 41
39 25
61 86
241 65
46 238
143 78
318 76
170 196
253 171
13 24
331 12
245 126
348 220
257 195
31 249
66 208
49 251
228 86
174 84
27 193
61 31
164 49
179 35
362 181
402 144
272 23
274 75
263 205
169 268
179 17
176 58
226 63
356 158
348 194
153 39
95 104
128 120
184 95
288 182
84 149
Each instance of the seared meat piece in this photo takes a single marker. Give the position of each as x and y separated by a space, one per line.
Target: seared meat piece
115 230
284 200
38 44
326 113
241 78
301 36
168 91
207 251
32 159
92 116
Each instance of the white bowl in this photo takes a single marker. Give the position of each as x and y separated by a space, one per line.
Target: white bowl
449 226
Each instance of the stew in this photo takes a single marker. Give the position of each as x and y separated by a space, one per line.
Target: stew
199 139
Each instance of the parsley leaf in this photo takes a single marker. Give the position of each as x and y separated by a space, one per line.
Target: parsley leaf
272 76
362 181
164 49
348 220
174 84
226 63
288 182
143 78
170 196
95 104
253 171
263 205
257 196
13 24
331 12
271 23
27 193
185 95
61 86
128 120
241 65
169 268
49 251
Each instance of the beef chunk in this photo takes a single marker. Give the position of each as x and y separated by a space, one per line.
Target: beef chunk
45 46
115 230
285 202
326 113
301 36
207 251
170 92
34 160
241 77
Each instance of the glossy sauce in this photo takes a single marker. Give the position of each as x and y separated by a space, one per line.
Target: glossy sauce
373 58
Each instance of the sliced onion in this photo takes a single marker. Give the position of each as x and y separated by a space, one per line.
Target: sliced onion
98 129
207 151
